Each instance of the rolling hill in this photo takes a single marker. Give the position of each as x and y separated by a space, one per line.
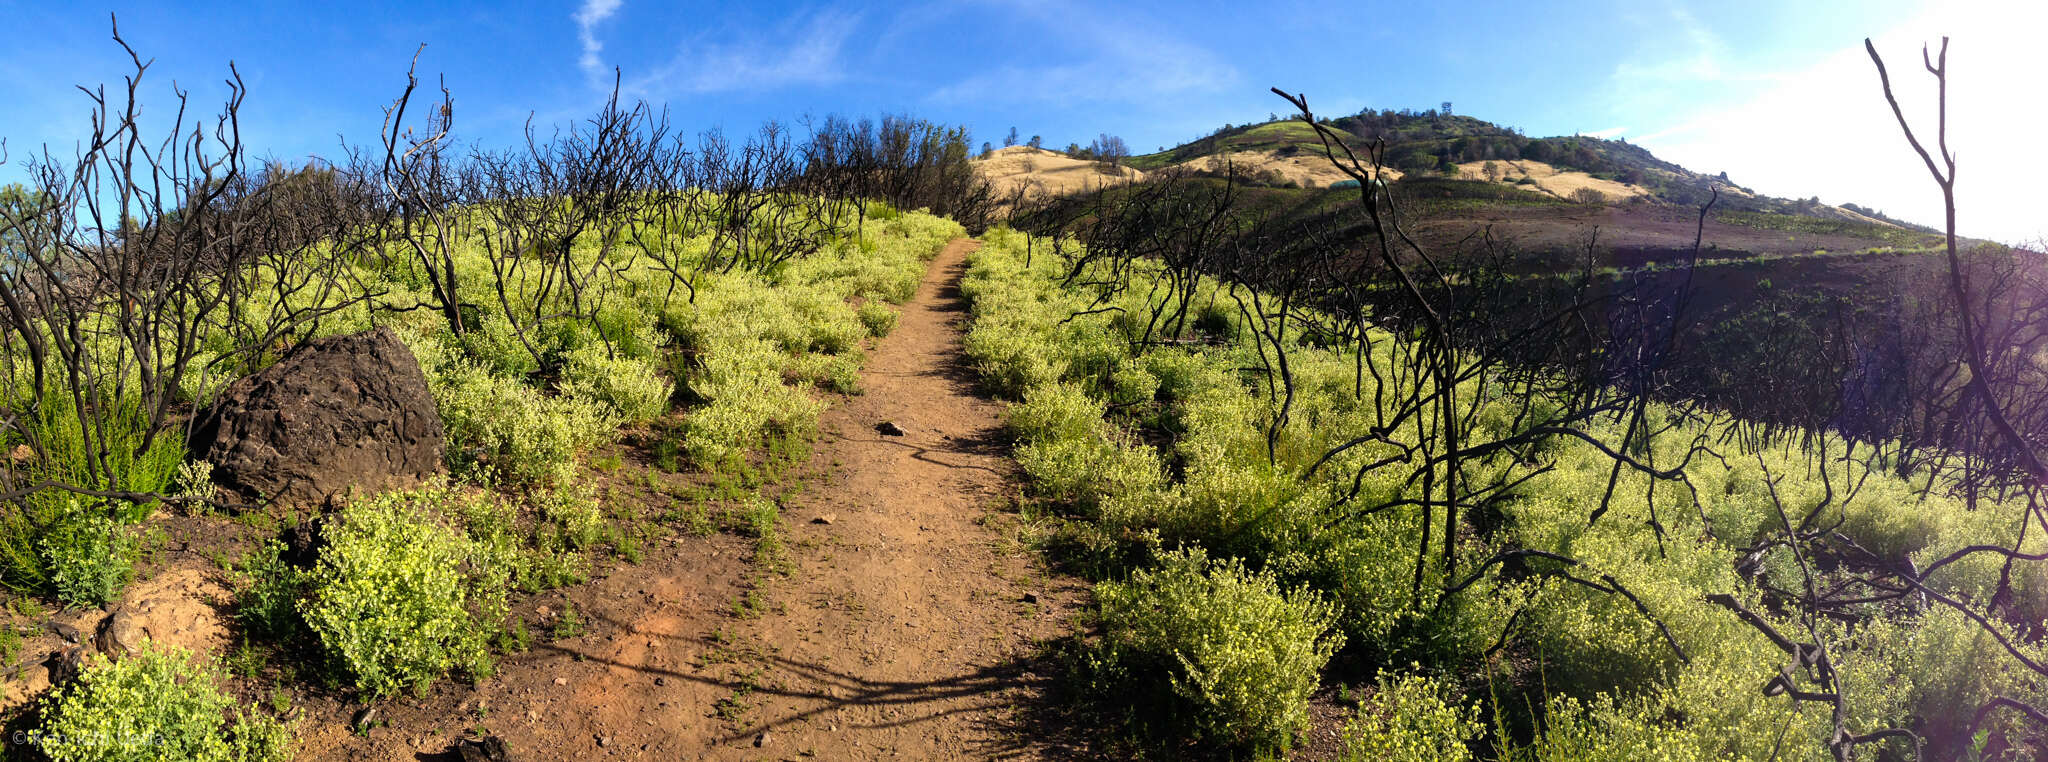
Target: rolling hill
1455 173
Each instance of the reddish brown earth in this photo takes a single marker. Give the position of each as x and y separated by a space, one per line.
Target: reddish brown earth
906 624
908 627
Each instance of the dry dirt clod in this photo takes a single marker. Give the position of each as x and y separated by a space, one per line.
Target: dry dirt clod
824 518
761 740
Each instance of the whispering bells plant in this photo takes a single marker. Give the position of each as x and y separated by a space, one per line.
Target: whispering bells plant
89 555
157 704
400 598
1240 653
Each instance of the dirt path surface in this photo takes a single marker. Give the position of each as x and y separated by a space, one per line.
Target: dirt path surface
905 628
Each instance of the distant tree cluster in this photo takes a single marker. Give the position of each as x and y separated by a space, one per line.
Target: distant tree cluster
1109 149
1106 148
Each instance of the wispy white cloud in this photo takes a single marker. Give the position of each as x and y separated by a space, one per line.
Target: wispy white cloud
588 16
1097 62
1680 62
1825 130
806 51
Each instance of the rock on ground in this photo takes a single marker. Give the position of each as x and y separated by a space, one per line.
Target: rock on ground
340 414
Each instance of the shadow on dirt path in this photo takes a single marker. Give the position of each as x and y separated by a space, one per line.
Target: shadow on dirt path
909 625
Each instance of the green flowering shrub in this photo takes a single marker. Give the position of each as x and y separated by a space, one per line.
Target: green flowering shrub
749 403
1055 412
511 429
878 318
1239 654
268 606
1411 719
400 597
157 704
631 390
1132 384
89 556
495 345
575 511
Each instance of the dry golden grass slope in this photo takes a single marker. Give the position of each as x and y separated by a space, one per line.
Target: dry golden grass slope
1550 180
1309 169
1042 173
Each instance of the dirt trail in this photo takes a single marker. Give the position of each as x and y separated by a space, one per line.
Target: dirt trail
905 626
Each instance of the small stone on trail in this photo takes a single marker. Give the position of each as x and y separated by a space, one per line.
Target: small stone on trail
889 429
761 740
561 681
1030 597
364 718
824 518
486 749
661 681
604 740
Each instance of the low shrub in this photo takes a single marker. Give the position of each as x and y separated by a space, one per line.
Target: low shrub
268 606
575 512
1411 718
749 403
1055 412
400 598
1239 654
513 431
879 319
631 390
157 704
89 556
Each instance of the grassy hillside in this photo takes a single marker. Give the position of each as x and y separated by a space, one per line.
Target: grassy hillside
1427 143
1285 137
1247 555
413 587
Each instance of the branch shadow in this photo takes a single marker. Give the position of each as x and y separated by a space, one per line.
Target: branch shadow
984 445
1016 702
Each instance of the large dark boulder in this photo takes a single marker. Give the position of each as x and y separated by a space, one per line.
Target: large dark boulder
338 415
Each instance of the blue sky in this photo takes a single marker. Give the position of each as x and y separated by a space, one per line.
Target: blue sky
1775 93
